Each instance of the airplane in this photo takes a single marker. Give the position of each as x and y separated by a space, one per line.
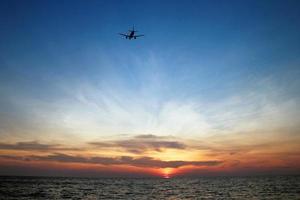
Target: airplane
131 34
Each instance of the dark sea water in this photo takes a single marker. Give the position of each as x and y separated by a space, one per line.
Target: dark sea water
281 187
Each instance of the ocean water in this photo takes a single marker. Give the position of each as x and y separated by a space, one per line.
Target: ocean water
280 187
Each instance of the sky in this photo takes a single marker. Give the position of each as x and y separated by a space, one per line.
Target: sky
212 88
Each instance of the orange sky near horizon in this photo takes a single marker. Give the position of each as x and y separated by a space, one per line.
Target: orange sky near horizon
151 155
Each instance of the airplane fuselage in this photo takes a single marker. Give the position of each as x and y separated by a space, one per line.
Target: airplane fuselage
131 35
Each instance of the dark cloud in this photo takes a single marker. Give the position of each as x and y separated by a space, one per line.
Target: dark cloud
142 143
151 136
32 145
122 160
151 162
10 157
137 145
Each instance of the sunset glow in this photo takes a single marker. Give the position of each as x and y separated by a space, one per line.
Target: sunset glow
167 172
210 90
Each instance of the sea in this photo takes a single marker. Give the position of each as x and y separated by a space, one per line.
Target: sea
273 187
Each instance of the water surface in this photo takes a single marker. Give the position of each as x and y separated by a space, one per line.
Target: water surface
281 187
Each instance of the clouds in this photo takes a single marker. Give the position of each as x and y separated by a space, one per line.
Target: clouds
138 144
104 109
107 111
146 99
152 121
34 146
148 162
154 152
142 143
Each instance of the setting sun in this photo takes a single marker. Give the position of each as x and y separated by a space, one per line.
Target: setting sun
167 172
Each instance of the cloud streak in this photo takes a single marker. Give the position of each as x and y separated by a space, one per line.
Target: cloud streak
122 160
142 143
34 146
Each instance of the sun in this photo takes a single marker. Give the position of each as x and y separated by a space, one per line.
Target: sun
167 172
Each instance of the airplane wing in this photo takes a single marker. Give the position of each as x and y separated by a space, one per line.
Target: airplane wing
123 34
139 35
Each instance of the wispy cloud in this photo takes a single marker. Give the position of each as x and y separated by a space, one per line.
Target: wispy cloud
34 145
150 101
142 143
123 160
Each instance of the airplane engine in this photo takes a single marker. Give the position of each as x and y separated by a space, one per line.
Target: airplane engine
134 37
126 37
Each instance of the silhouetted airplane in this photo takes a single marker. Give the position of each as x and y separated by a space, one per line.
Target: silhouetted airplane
131 34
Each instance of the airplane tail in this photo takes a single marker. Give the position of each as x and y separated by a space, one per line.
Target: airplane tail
133 29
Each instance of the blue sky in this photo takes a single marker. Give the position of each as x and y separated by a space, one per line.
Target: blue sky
212 87
195 55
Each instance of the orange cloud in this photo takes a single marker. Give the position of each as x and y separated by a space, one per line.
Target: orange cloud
162 156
